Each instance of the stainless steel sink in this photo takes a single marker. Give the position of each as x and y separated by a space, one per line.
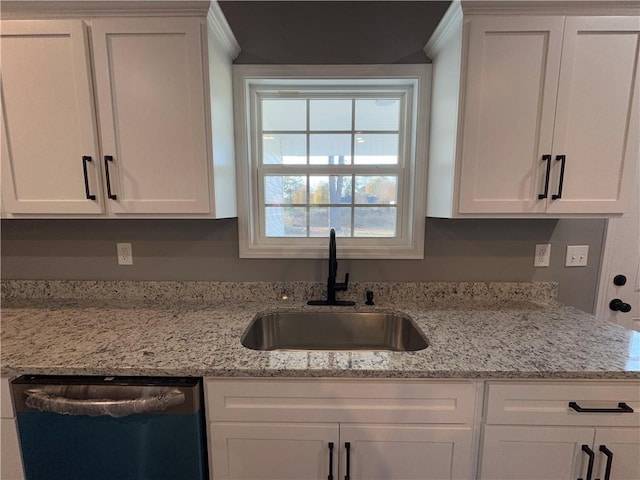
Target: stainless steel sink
334 331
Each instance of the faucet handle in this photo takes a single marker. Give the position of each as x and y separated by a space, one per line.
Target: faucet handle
341 287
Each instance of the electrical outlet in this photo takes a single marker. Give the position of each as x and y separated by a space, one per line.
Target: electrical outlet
125 256
543 254
577 256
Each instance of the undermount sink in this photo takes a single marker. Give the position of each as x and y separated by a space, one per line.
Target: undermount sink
334 331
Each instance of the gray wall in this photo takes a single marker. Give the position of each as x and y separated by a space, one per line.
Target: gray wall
455 250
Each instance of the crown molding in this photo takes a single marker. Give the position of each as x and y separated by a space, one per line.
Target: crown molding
42 9
447 26
551 7
217 23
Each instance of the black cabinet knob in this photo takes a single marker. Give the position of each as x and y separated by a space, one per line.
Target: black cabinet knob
619 280
618 305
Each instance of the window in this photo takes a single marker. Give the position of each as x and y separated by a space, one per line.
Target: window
331 147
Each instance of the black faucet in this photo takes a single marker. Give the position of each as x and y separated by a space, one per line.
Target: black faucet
332 285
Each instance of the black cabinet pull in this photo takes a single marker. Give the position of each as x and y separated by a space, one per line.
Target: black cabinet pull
330 476
546 158
563 159
85 159
622 408
609 454
107 159
618 305
589 452
347 446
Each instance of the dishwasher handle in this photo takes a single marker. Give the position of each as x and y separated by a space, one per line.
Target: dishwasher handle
44 401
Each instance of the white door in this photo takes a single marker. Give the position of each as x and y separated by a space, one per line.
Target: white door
535 453
597 118
391 452
150 89
620 275
623 446
272 451
48 122
510 98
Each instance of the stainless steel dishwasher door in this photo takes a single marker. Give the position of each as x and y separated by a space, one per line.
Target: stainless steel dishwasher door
115 428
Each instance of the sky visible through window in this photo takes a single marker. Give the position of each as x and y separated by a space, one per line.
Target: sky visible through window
330 163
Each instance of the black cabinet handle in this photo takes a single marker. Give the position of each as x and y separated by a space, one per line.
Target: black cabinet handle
609 454
330 476
618 305
347 446
563 159
85 159
107 159
546 158
622 408
589 452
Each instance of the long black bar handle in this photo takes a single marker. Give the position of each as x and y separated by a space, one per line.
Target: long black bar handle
541 196
107 159
347 447
85 159
622 408
330 476
592 456
563 159
609 454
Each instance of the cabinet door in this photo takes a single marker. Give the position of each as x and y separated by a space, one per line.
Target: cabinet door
406 452
10 461
275 451
151 106
509 106
48 121
597 126
535 453
624 444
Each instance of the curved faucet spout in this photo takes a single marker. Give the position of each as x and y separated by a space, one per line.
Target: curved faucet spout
332 285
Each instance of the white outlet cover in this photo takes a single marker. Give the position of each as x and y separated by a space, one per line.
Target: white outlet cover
125 255
542 255
577 256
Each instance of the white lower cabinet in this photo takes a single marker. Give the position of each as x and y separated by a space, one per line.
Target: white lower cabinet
298 430
561 431
624 445
406 452
534 453
278 451
10 457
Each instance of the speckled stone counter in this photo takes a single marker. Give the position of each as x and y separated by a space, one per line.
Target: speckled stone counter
173 328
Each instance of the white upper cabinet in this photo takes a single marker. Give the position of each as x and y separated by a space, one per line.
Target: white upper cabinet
533 114
48 124
137 85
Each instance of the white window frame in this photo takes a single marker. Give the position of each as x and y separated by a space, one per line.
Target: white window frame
250 80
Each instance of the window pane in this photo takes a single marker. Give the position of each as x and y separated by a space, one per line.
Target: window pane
376 149
377 189
284 149
283 189
284 114
322 219
328 149
330 114
330 189
378 114
374 222
286 221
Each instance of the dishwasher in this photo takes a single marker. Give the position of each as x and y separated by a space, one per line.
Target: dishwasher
115 428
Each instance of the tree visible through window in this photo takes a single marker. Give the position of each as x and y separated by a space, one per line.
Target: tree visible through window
331 163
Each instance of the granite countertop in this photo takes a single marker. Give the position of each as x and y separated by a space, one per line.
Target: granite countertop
170 328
